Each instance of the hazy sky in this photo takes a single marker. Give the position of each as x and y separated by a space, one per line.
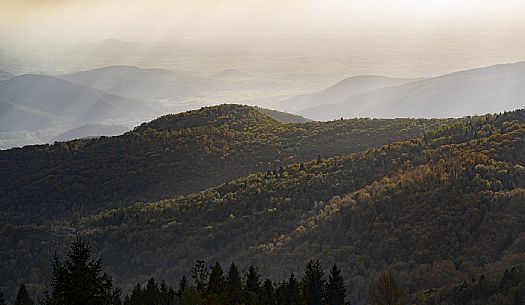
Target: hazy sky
390 37
87 20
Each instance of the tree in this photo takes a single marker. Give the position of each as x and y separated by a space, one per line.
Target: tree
335 289
293 291
234 285
79 280
314 284
268 293
216 282
386 291
252 288
200 276
252 280
23 298
183 285
281 293
2 300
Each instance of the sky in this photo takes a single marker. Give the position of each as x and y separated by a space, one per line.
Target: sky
137 20
413 38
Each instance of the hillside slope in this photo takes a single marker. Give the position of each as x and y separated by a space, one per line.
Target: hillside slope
139 83
431 209
485 90
60 98
351 86
173 155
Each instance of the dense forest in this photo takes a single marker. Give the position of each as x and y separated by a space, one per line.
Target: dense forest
443 207
174 155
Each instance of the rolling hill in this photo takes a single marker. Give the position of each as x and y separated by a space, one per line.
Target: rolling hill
91 130
439 209
59 98
138 83
351 86
442 207
173 155
485 90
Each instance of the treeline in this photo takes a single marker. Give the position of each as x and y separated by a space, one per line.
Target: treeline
80 280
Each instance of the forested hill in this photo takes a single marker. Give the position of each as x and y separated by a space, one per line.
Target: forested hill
173 155
441 208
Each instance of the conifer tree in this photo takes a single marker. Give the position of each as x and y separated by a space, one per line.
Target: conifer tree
281 294
314 284
335 288
234 285
301 167
216 281
183 285
23 298
79 280
2 300
268 293
252 288
293 291
252 280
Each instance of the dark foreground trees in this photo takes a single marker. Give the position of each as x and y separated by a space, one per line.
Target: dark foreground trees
234 289
23 298
79 280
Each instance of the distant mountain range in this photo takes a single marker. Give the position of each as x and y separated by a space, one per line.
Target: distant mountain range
484 90
45 97
341 91
126 95
138 83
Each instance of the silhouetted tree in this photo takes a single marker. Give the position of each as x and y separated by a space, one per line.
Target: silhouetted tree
234 285
251 291
216 281
281 294
2 300
79 280
268 293
293 291
252 280
183 285
314 284
335 288
23 298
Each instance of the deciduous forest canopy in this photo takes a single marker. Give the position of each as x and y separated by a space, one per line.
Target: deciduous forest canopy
444 206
